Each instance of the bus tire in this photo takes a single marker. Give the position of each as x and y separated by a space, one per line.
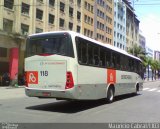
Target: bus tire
137 89
110 95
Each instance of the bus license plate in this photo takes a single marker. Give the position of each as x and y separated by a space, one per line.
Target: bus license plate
46 94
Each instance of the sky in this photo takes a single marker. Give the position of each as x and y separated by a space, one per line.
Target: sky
148 12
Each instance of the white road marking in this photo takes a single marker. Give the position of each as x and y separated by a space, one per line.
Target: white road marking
146 88
158 91
153 89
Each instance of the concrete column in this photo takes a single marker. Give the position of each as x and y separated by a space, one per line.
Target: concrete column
1 14
67 13
13 68
57 8
45 16
95 21
74 17
17 17
32 15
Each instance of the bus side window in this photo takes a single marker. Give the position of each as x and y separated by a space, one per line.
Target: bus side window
96 56
81 51
108 58
134 66
118 65
84 53
125 64
138 66
90 54
131 64
102 57
113 61
78 45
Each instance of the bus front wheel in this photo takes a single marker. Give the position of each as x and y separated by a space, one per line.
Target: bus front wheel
110 95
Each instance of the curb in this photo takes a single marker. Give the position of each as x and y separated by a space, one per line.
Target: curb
11 87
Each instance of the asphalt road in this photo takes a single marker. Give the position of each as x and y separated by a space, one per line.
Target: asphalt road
144 107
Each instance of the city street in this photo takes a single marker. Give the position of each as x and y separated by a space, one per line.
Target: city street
16 107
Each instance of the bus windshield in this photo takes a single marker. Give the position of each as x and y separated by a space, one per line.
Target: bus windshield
49 44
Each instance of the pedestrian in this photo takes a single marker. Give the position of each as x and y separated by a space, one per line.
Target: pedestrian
15 80
6 79
144 76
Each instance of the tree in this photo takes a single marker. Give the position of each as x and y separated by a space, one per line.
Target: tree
153 67
146 63
156 65
158 69
137 51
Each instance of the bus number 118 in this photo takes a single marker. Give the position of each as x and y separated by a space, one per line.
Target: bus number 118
44 73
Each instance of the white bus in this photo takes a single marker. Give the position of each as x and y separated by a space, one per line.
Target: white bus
67 65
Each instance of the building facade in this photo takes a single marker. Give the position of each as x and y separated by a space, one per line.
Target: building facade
20 18
157 55
150 53
120 24
142 41
103 21
132 26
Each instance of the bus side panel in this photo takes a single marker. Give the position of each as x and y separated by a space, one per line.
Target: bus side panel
125 83
91 82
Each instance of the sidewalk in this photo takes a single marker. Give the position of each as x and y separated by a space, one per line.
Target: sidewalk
150 80
9 92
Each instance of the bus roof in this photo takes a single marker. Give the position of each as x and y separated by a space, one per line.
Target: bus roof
92 40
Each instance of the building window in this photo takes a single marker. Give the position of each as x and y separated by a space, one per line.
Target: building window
79 2
86 18
24 29
62 6
51 2
92 9
39 14
61 23
70 12
25 8
70 26
78 29
8 4
85 31
38 30
78 16
71 1
3 52
40 1
88 7
7 25
51 18
85 5
91 21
